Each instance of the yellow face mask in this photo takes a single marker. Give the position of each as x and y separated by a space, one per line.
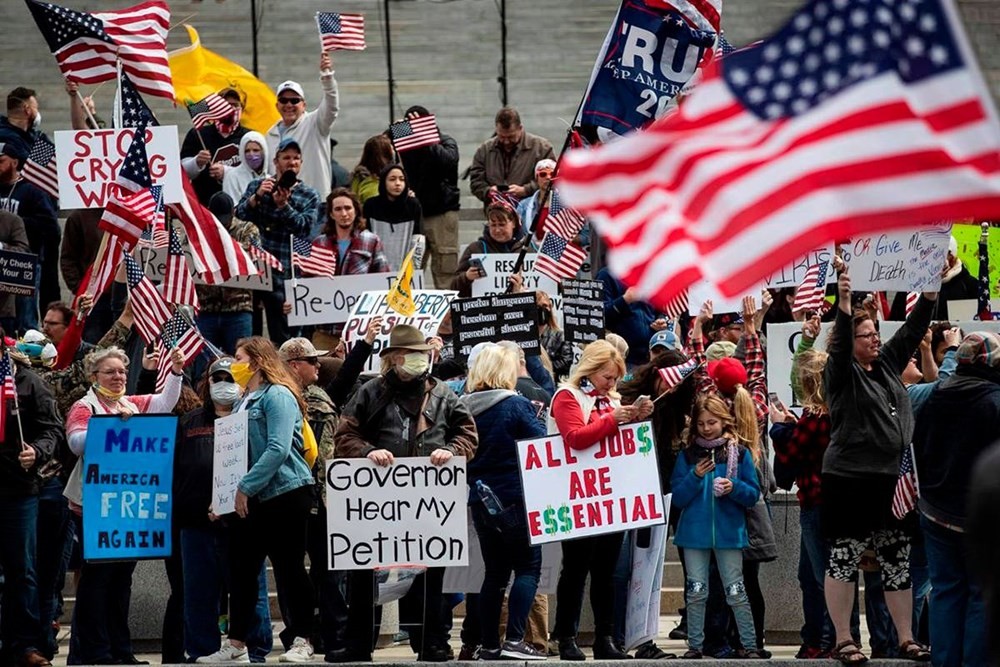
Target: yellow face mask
108 394
241 373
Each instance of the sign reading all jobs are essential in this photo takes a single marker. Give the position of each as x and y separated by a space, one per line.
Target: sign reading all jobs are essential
411 512
489 319
610 487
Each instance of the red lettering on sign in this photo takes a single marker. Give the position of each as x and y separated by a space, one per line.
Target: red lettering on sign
534 523
628 442
532 460
568 456
550 459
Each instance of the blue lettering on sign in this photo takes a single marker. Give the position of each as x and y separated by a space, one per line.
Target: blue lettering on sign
127 487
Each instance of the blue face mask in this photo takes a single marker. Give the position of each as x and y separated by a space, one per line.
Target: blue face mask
254 160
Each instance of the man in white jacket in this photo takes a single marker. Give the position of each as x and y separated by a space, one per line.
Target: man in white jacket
311 130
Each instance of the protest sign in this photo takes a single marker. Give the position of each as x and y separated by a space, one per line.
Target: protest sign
154 261
229 462
608 488
490 319
469 578
583 310
703 291
88 162
967 236
909 260
792 274
331 300
411 512
642 607
128 474
498 267
17 272
432 306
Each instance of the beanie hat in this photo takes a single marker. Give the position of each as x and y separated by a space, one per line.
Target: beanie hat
727 373
981 348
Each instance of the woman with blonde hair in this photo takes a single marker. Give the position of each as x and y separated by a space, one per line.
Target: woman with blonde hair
502 418
585 410
273 502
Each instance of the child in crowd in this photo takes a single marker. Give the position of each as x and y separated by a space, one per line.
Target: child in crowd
394 214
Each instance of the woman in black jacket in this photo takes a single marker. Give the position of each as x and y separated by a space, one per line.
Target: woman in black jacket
394 215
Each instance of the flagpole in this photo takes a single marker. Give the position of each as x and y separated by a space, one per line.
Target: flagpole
86 110
291 258
17 405
388 63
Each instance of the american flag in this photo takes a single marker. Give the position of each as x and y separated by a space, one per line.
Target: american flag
312 259
563 220
176 333
984 308
559 258
677 306
702 14
150 310
674 375
810 293
216 255
135 112
40 167
155 235
904 499
257 252
102 271
911 301
129 211
88 46
178 286
855 116
8 391
416 132
341 31
211 108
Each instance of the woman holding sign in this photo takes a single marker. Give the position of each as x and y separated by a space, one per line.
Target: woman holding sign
585 410
100 617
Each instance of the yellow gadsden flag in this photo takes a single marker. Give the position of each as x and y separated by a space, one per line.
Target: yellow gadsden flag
196 72
400 296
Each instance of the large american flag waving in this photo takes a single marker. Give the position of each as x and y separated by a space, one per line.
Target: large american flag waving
857 115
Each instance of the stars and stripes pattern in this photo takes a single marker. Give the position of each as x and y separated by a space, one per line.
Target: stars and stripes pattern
257 252
155 235
984 309
178 286
148 306
88 46
8 390
702 14
40 167
211 108
312 259
132 208
411 133
810 293
563 220
341 31
559 258
677 306
904 499
674 375
855 116
177 332
134 110
102 271
217 257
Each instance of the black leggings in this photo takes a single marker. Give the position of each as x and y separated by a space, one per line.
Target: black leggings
597 556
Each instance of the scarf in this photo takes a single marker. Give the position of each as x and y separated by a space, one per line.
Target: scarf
732 458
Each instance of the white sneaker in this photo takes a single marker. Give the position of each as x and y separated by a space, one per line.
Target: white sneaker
228 654
301 651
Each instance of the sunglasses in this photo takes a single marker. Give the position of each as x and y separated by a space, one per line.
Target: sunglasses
289 100
221 377
545 173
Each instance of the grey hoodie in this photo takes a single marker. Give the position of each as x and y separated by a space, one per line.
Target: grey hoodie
481 401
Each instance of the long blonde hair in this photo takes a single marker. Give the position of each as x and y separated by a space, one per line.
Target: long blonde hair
714 405
264 356
745 417
810 369
595 356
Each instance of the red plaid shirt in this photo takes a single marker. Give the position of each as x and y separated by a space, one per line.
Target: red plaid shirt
754 363
803 452
364 255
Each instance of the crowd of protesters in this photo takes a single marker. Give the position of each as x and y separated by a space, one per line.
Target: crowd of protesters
864 402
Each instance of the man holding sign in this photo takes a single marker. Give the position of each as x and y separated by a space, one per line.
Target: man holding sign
403 412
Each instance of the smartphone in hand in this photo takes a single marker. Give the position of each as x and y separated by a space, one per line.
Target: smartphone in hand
477 264
772 397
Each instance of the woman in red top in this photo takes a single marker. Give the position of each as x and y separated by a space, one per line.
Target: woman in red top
585 410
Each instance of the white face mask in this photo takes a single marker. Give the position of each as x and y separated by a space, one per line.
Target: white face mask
37 122
225 393
415 363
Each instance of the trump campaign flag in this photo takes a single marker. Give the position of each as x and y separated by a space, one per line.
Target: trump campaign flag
855 116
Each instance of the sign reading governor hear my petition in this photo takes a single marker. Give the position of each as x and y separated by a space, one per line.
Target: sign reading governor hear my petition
88 161
409 513
128 474
611 486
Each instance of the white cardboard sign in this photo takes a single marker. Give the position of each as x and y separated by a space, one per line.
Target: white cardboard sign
331 300
229 462
908 260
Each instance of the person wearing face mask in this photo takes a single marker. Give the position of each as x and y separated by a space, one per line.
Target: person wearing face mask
100 618
273 503
394 215
403 412
255 163
209 153
23 120
204 540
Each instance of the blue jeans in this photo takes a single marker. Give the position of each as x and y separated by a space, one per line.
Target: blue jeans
504 553
55 545
205 558
20 628
730 562
921 587
958 612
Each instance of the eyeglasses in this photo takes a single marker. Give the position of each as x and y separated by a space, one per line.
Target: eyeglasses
867 336
289 100
113 372
50 323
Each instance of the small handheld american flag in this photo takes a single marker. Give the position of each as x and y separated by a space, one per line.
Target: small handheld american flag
8 391
341 31
313 260
148 306
411 133
810 293
257 252
674 375
559 258
209 109
176 333
40 168
563 220
904 500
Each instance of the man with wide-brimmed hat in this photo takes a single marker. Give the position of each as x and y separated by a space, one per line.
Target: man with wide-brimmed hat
403 412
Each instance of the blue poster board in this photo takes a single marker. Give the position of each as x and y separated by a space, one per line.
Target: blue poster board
128 473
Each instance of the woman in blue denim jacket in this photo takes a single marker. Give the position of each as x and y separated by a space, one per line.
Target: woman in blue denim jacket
273 502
